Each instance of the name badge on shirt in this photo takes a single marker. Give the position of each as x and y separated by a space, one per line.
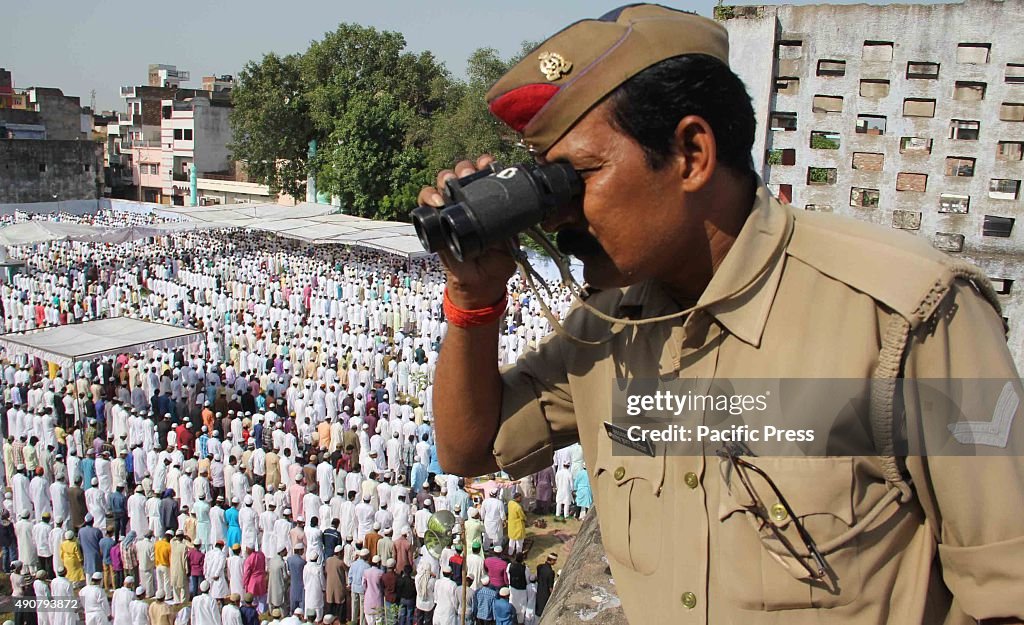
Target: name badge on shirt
619 434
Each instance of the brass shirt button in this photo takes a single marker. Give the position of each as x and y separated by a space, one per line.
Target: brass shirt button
689 600
691 479
778 512
620 473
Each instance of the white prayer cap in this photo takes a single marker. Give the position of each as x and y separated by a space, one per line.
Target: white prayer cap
375 559
376 526
140 591
485 580
427 502
97 576
69 535
504 592
204 586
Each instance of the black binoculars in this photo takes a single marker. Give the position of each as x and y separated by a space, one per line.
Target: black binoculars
494 204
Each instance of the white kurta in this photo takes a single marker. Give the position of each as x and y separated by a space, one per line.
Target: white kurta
61 587
120 606
494 519
235 575
139 611
213 569
230 615
446 597
26 543
204 611
96 606
313 586
42 591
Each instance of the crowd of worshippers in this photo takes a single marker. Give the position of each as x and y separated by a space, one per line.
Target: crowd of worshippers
256 293
282 467
325 525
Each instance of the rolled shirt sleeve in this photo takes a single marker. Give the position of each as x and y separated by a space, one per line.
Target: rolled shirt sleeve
537 415
975 504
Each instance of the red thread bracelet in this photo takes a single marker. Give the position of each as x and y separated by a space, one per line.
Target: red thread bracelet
463 318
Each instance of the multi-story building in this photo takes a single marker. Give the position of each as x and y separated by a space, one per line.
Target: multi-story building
218 83
166 76
6 89
194 133
46 147
910 116
63 115
137 127
135 145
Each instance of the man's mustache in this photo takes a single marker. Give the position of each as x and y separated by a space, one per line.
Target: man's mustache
577 243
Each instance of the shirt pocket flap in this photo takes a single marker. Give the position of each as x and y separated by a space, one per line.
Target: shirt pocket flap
811 486
624 468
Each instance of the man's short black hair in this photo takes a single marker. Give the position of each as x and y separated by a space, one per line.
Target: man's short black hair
648 106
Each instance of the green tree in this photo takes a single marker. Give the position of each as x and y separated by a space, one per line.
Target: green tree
366 161
366 101
467 129
371 104
271 123
385 119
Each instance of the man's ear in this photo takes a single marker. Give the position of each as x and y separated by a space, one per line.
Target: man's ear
695 152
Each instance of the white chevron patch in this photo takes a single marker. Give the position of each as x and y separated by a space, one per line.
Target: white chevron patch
993 433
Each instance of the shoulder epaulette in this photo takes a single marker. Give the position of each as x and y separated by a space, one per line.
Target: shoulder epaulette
901 271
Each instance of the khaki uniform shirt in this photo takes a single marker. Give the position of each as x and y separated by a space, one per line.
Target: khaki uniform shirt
799 295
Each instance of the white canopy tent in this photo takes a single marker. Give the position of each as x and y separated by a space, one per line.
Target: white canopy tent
65 345
39 231
243 215
311 223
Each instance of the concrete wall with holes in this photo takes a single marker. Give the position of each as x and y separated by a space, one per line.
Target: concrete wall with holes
917 69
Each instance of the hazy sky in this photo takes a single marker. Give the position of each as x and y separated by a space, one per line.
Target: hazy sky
81 45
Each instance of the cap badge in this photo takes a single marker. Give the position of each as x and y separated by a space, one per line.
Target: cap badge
553 65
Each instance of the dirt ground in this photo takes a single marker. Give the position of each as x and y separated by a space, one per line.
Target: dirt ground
557 537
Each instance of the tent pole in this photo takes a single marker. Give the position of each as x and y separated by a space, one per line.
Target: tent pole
465 563
74 385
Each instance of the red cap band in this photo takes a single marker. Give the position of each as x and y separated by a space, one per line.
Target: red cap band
517 107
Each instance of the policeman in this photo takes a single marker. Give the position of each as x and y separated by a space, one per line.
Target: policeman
642 103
